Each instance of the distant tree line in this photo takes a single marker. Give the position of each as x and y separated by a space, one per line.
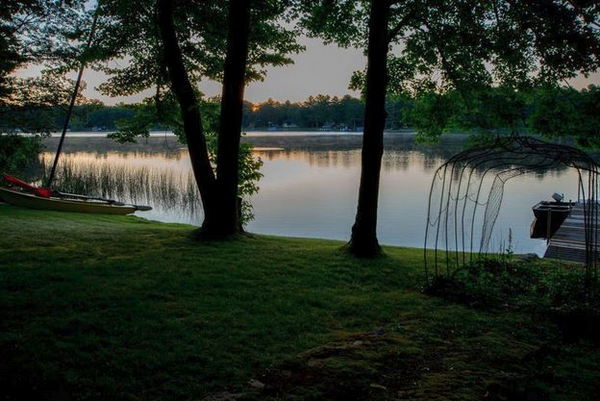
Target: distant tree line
100 117
319 112
316 112
551 111
86 117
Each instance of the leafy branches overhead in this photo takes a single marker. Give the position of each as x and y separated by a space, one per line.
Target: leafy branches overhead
470 64
30 104
27 104
128 49
27 32
465 44
35 31
335 21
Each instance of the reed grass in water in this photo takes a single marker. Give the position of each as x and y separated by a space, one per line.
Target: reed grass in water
158 187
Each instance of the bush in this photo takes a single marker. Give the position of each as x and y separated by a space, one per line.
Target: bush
17 152
507 282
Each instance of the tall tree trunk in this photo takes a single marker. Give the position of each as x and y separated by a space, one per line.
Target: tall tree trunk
190 113
231 115
364 231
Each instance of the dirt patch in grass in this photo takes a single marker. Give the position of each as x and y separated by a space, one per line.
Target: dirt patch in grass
385 365
417 365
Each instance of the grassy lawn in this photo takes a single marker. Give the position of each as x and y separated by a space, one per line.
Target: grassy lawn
118 308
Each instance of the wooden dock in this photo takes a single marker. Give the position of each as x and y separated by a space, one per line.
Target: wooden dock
568 243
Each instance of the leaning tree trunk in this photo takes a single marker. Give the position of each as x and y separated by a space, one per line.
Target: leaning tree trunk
364 231
231 115
190 113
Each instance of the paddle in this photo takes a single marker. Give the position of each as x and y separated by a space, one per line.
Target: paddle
84 197
109 201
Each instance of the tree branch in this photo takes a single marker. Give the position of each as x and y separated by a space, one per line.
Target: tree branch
392 33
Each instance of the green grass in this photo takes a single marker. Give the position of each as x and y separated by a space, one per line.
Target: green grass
99 307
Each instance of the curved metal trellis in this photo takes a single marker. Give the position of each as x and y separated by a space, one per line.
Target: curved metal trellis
467 191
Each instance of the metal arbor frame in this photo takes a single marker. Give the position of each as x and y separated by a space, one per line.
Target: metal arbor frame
462 211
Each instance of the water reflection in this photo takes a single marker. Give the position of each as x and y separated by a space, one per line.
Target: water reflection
309 187
392 160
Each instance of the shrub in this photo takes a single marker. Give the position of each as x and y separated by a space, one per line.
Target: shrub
507 282
17 152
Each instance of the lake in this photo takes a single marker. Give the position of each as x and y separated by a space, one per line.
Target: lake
310 184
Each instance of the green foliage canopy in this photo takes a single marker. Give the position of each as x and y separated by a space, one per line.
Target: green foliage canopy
551 111
467 46
28 29
568 112
127 45
34 105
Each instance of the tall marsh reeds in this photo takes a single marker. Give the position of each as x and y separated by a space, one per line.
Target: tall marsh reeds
158 187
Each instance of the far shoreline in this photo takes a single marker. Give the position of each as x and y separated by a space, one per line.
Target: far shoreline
323 140
249 132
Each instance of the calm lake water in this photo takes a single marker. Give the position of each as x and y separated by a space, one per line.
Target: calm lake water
310 183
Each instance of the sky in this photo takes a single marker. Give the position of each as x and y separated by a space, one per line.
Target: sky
320 69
